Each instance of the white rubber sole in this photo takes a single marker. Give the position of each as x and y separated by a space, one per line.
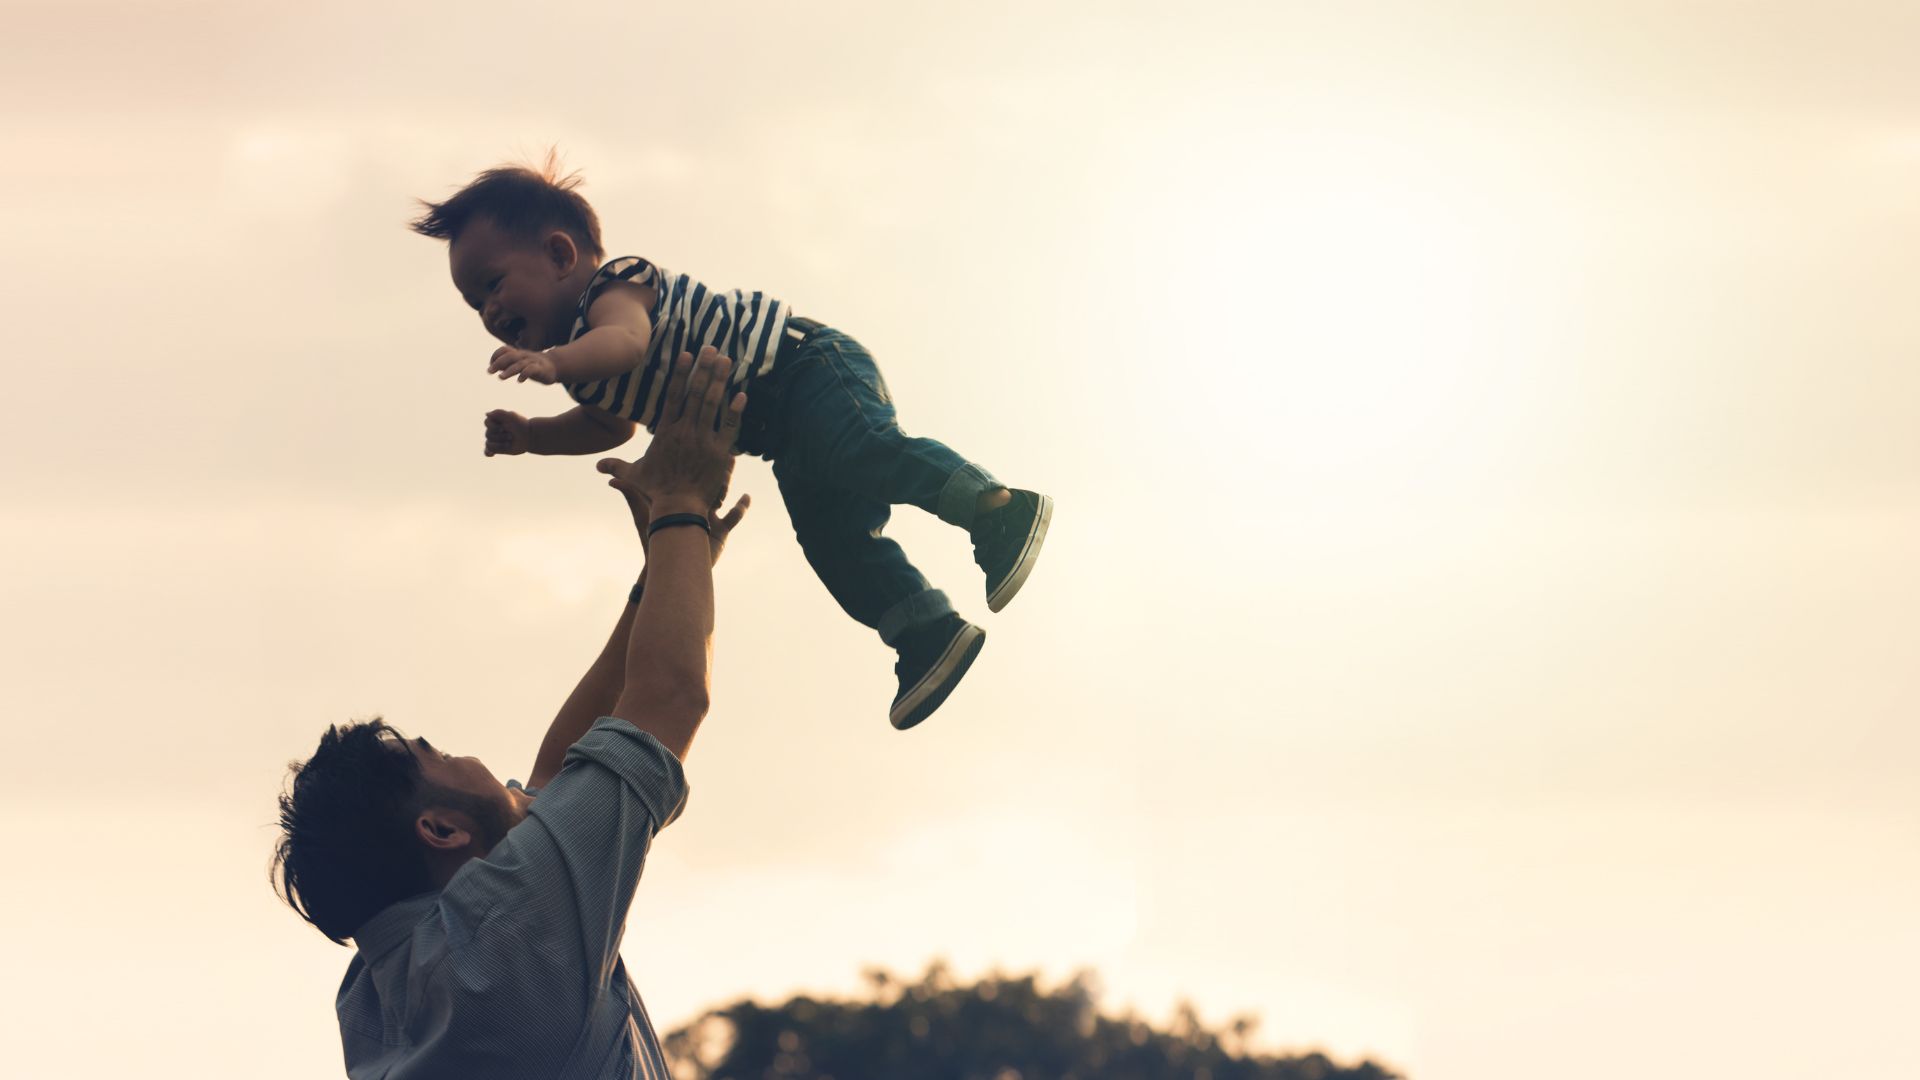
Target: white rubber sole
1029 554
927 695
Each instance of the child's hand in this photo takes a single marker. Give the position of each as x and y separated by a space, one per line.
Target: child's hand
508 361
508 433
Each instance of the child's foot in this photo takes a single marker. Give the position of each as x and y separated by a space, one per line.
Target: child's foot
1006 543
933 657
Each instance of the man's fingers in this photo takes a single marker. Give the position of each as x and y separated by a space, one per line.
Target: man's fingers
699 384
710 380
709 371
713 391
733 516
729 420
676 387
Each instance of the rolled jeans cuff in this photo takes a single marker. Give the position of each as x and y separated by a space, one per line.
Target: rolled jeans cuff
911 612
960 498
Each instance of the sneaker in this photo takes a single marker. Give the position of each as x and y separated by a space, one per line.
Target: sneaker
932 660
1006 544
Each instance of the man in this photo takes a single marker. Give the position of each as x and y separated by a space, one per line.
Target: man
488 920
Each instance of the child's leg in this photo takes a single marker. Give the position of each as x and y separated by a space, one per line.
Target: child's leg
841 432
870 576
867 573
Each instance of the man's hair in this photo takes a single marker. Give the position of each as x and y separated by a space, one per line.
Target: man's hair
347 848
346 845
524 203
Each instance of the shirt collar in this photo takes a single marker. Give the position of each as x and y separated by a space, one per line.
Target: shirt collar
393 925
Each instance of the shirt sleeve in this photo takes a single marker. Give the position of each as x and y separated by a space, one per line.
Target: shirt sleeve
606 393
630 268
549 902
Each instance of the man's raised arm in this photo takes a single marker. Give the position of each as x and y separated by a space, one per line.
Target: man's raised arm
683 479
599 689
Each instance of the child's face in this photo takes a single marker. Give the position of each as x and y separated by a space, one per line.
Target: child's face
524 291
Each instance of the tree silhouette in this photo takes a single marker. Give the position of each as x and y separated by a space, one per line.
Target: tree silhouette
1000 1028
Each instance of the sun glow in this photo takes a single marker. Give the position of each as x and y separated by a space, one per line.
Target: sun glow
1350 290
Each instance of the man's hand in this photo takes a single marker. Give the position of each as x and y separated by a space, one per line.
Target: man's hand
508 361
723 525
685 471
690 462
643 515
508 433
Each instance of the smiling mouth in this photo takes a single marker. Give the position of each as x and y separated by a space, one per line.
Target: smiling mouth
514 331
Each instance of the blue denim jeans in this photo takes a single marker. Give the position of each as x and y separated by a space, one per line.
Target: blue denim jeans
826 420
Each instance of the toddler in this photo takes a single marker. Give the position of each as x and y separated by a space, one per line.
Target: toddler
526 254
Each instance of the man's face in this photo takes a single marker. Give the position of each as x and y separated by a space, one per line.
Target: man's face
496 808
522 290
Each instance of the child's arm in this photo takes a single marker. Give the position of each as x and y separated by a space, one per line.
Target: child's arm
582 429
618 330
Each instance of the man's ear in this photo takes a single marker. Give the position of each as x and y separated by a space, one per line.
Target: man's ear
443 830
562 252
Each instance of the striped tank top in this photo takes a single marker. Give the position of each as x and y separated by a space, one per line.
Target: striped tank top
686 315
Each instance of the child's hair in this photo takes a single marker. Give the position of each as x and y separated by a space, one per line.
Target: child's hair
525 203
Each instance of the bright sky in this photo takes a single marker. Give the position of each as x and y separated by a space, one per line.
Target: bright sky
1478 629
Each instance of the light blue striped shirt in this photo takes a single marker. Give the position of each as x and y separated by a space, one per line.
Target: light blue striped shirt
513 970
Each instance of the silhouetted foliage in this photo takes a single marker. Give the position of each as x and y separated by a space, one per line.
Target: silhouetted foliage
1000 1028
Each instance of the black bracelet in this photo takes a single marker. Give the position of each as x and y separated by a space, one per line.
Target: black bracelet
671 520
633 594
